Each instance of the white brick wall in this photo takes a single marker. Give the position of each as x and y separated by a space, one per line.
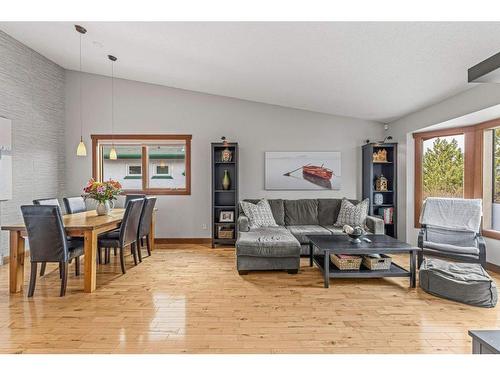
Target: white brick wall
32 96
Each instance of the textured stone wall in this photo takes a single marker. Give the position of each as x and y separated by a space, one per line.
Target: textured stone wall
32 96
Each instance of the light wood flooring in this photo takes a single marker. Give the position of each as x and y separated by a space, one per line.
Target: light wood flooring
190 299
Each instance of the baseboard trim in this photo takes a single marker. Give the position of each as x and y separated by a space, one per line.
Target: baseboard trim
179 241
493 267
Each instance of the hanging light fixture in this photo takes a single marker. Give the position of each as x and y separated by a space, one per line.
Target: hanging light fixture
81 150
112 152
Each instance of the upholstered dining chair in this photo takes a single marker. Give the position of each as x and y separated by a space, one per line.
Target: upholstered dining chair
48 242
129 197
145 225
450 229
50 202
74 205
126 235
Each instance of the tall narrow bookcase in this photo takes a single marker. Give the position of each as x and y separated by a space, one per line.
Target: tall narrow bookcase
371 172
224 200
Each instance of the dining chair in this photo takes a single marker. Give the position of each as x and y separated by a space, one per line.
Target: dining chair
129 197
145 225
126 235
48 242
74 205
49 202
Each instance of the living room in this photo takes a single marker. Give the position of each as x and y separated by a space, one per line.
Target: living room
262 187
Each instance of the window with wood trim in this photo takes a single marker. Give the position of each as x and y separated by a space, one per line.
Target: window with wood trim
481 169
147 164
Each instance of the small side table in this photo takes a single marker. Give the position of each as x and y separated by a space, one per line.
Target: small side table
485 342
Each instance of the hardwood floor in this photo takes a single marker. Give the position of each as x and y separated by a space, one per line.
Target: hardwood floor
189 298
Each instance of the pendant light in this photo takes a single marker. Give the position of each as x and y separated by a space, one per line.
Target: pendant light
112 152
81 150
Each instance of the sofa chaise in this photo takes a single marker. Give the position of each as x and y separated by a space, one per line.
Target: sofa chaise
280 248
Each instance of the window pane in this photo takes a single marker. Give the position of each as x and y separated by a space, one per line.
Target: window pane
127 168
491 179
167 165
443 167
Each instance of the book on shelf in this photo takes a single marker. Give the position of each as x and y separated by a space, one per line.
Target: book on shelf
386 214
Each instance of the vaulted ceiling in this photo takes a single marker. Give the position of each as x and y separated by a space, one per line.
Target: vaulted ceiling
378 71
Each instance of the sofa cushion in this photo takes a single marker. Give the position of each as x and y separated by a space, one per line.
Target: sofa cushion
277 208
453 249
301 212
260 214
353 215
267 242
302 231
328 210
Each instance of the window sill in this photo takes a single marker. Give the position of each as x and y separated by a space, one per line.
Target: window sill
132 178
157 192
162 178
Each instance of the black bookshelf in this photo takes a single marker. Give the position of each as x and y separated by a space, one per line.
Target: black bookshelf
224 200
371 171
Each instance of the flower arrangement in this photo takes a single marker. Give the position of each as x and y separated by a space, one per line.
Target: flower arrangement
102 191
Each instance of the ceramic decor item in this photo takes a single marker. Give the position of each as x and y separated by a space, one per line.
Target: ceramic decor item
226 180
378 199
381 183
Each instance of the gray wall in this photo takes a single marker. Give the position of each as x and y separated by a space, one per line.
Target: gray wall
146 108
476 99
32 96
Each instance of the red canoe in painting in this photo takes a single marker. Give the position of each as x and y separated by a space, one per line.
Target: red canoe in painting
320 172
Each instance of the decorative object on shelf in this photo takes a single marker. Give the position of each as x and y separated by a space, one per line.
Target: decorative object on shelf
380 156
226 155
112 152
226 180
104 193
381 184
226 217
378 199
303 170
81 150
354 233
226 233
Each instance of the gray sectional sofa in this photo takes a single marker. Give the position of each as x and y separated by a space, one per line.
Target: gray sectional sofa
279 248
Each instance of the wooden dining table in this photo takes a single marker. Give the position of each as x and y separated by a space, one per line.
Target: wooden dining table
87 225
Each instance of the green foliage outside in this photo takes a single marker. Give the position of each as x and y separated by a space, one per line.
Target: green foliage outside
443 170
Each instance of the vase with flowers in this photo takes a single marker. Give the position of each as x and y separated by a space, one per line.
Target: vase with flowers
104 193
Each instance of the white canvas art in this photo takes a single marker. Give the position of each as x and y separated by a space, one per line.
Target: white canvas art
303 170
5 159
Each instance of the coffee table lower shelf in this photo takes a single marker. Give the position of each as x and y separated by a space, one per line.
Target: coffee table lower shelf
334 272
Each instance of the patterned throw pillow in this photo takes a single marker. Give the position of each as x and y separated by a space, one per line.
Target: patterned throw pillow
353 215
260 214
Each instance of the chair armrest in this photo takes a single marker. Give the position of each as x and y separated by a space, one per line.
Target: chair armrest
420 239
375 225
481 244
243 223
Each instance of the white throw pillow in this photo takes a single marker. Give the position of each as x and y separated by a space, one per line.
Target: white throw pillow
353 215
259 215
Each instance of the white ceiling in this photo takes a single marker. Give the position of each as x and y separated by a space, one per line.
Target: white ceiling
377 71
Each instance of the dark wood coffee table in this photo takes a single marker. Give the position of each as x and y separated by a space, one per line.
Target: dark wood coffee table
341 244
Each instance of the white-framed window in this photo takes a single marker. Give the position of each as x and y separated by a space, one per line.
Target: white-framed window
134 170
162 170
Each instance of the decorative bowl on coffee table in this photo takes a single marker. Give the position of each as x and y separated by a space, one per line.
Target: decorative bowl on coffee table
355 233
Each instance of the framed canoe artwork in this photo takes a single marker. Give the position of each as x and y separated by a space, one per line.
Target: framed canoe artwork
303 170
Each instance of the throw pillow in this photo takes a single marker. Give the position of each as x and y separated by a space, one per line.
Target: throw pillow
353 215
260 214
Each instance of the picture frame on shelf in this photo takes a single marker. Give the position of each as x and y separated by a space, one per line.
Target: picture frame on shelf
226 217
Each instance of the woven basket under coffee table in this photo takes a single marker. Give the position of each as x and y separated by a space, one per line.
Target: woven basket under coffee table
381 263
322 246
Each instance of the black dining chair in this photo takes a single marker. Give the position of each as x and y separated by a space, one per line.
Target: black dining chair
48 242
49 202
129 197
126 235
74 205
145 225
